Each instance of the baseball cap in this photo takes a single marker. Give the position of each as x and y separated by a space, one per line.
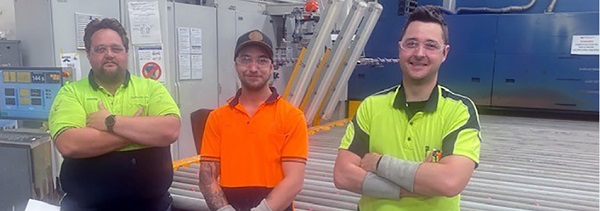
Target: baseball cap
254 37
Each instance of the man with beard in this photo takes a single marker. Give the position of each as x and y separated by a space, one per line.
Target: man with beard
391 151
255 147
114 131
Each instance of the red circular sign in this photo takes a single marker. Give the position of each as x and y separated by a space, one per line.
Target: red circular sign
152 70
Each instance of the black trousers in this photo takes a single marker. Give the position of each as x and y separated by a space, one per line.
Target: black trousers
160 204
122 180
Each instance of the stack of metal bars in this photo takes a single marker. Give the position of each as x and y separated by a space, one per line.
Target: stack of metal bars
526 164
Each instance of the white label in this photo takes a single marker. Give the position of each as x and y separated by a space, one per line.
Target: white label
585 45
183 38
72 62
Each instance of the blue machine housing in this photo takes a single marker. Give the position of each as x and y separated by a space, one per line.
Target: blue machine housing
499 60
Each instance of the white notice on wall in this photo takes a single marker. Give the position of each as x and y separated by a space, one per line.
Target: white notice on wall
71 62
144 20
585 45
150 61
81 21
184 67
196 40
183 40
196 66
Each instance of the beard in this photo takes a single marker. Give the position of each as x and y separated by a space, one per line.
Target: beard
110 77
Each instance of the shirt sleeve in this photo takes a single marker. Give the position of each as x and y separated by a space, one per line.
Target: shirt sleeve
161 103
465 137
356 139
211 139
295 148
66 112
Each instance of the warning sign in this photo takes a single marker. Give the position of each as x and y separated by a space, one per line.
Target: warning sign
150 62
151 70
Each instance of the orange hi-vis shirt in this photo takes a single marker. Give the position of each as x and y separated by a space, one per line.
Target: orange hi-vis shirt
251 149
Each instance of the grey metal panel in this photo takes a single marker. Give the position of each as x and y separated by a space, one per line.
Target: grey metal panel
34 28
7 19
196 94
170 52
228 80
10 53
525 164
16 177
26 173
247 21
242 5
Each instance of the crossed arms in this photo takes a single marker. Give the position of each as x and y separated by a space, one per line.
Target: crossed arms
446 178
359 170
94 140
82 136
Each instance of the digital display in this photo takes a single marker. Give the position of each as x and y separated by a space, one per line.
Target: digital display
38 78
23 77
36 101
24 92
28 92
11 101
32 77
9 92
25 101
36 93
9 77
53 78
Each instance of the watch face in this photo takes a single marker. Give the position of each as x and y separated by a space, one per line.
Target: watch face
110 120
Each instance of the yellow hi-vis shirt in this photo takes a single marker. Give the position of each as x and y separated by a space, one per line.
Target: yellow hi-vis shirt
448 121
76 100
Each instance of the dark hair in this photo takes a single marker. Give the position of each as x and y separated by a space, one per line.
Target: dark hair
106 23
427 14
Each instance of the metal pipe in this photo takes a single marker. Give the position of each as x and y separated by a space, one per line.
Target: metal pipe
339 52
551 6
365 30
495 10
315 51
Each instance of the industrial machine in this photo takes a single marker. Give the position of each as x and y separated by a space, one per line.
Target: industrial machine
26 96
503 55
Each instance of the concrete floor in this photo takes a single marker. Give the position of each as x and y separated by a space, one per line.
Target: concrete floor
526 164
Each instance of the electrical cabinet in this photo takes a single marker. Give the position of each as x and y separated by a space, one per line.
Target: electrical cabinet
26 173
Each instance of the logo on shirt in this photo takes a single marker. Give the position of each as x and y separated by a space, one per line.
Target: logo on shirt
139 97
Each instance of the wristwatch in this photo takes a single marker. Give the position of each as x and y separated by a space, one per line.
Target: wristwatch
110 122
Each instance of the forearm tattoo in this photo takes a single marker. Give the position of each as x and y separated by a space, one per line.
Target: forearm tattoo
212 192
